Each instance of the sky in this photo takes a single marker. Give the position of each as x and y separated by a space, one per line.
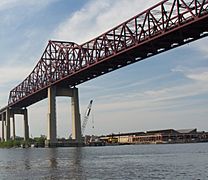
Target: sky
169 90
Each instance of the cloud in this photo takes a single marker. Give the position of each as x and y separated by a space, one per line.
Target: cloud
201 76
10 74
8 4
158 97
201 46
15 13
182 88
177 92
196 74
98 16
22 37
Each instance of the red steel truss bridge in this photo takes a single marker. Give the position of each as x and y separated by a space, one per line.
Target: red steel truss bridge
167 25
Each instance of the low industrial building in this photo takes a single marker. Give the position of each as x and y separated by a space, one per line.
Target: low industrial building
157 137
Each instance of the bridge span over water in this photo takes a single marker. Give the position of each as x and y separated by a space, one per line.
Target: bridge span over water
64 65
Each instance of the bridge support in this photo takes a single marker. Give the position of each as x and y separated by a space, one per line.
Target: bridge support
51 138
5 116
24 112
76 124
26 126
2 131
7 120
13 122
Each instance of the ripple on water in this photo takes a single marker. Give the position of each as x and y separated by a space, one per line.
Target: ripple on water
187 161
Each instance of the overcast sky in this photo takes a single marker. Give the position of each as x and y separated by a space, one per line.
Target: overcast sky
169 90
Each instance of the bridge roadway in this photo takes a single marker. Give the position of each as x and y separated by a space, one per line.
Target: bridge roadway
64 65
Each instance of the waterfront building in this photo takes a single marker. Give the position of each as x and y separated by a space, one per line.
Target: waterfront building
158 137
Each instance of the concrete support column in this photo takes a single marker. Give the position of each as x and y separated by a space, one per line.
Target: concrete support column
52 116
76 124
26 126
2 131
7 116
13 122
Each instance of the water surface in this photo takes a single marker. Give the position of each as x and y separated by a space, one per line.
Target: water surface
172 161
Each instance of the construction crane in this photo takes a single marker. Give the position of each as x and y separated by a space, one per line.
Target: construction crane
86 116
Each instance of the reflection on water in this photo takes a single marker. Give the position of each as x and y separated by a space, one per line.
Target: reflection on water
26 159
67 165
53 164
52 154
77 168
184 161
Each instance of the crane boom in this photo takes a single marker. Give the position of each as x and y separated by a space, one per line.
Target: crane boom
86 116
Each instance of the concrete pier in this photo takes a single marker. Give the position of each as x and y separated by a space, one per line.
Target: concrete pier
21 111
13 123
52 130
2 131
76 124
26 126
7 119
8 112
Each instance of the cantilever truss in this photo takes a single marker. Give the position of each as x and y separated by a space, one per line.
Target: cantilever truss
61 60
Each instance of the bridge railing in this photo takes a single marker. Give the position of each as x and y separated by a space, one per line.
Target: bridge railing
63 59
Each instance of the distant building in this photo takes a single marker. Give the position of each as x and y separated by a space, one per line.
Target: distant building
158 137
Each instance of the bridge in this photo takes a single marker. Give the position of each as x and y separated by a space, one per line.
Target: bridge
64 65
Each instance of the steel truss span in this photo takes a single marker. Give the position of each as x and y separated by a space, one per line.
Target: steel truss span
168 24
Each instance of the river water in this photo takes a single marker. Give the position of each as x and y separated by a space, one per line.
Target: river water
171 161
